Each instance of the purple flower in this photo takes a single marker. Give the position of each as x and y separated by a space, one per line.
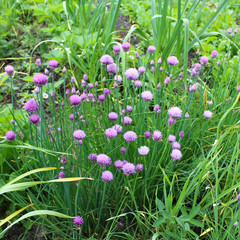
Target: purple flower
63 160
137 55
103 160
171 121
147 96
175 112
132 74
159 60
235 224
186 115
151 49
207 114
118 164
203 60
167 80
214 53
229 30
130 136
141 70
79 134
129 108
52 94
161 69
128 169
126 46
53 64
107 176
75 100
34 119
210 103
118 78
38 62
118 128
193 72
198 66
157 135
176 154
115 85
78 221
71 116
172 60
112 68
106 59
139 167
123 112
92 156
171 138
110 133
181 134
147 134
218 63
143 150
137 83
61 175
156 107
10 135
116 49
127 120
238 197
159 85
101 98
31 106
40 79
152 68
9 69
238 88
176 145
67 91
85 77
106 92
113 116
193 88
36 90
122 150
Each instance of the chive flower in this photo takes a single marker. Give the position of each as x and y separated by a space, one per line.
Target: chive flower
34 119
75 100
130 136
106 59
175 112
53 64
207 114
143 150
107 176
31 106
176 154
78 221
147 96
79 134
128 169
157 136
10 135
132 74
9 69
172 60
40 79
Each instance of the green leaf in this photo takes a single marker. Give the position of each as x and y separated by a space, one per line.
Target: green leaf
158 222
160 205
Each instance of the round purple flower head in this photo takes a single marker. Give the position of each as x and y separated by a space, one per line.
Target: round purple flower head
152 62
31 106
10 135
103 160
137 83
64 69
176 154
151 49
143 150
53 64
193 72
137 55
118 164
238 197
126 46
112 68
118 78
110 133
129 108
78 221
167 80
106 92
122 150
193 88
92 157
34 119
106 59
176 145
218 63
147 96
118 128
198 66
171 121
171 138
107 176
187 115
229 30
132 74
141 70
85 77
40 79
61 175
238 88
172 60
75 100
38 62
113 116
181 134
9 69
79 134
207 114
127 120
101 98
203 60
71 116
175 112
157 135
160 60
147 134
139 167
116 49
210 103
214 53
128 169
130 136
63 160
156 107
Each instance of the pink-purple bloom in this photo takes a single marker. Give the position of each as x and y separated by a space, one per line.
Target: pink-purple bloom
132 74
207 114
181 134
78 221
128 169
130 136
118 128
139 167
40 79
127 120
9 69
147 96
171 138
61 175
141 70
106 59
137 83
92 157
113 116
107 176
31 106
63 160
110 133
10 135
34 119
112 68
176 145
193 87
143 150
175 112
151 49
126 46
38 62
103 160
172 60
147 134
75 100
157 135
176 154
129 108
214 53
79 134
116 49
203 60
122 150
53 64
